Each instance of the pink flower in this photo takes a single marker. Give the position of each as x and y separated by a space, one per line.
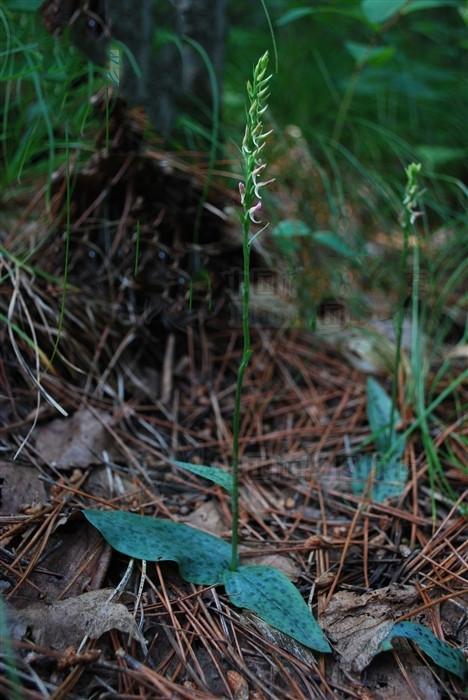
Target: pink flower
255 210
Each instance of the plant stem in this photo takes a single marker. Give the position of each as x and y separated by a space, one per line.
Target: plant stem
399 323
246 354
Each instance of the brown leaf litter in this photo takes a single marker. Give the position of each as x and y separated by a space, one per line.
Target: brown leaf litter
77 441
357 624
21 488
408 679
65 623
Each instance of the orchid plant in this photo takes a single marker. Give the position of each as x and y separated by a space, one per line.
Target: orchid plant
251 199
203 558
208 560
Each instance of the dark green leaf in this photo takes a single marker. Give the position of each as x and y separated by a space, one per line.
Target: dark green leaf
290 228
202 558
300 12
363 53
435 156
378 11
390 476
416 5
295 14
440 652
286 234
23 5
334 242
288 231
271 595
218 476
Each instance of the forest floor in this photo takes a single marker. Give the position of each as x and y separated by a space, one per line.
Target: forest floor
144 380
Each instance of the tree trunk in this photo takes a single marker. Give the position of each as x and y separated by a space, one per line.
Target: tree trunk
173 76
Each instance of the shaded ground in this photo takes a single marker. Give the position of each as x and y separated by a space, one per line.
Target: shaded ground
148 377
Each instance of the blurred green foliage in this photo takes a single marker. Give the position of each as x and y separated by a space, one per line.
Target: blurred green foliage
45 92
363 88
372 85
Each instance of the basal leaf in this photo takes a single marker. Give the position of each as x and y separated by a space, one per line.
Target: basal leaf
378 11
440 652
271 595
390 476
218 476
390 472
379 413
202 558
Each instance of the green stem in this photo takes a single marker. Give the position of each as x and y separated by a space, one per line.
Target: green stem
246 354
399 325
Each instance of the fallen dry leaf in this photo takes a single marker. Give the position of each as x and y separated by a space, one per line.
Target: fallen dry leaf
207 517
20 487
459 351
74 442
357 624
75 560
452 614
277 561
277 638
64 623
252 502
387 682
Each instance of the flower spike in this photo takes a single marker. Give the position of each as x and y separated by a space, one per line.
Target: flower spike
255 136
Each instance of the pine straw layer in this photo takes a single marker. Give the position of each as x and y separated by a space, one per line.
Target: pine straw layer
169 386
